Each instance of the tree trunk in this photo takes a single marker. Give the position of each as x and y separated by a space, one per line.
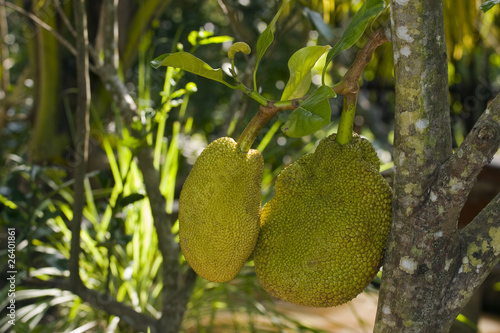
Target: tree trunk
431 268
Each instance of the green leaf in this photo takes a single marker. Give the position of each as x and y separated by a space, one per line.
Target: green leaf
193 37
266 39
192 64
215 40
317 20
488 5
355 29
300 65
314 113
238 47
130 199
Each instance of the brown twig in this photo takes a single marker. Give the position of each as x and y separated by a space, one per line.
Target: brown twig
348 86
349 83
263 115
65 18
47 27
42 24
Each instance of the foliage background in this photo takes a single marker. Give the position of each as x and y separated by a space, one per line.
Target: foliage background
118 240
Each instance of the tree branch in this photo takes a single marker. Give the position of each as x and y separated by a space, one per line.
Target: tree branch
47 27
108 69
480 253
82 139
458 175
240 30
65 19
42 24
349 83
175 294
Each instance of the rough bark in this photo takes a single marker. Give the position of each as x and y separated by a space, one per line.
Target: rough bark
177 286
82 140
431 268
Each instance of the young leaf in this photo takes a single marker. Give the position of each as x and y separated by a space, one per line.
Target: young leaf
355 29
300 65
488 5
238 47
192 64
266 39
309 117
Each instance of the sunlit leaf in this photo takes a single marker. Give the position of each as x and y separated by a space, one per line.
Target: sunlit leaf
300 65
7 202
215 40
463 319
355 29
311 115
192 64
193 37
488 5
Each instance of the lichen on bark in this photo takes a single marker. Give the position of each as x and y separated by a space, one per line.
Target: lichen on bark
431 268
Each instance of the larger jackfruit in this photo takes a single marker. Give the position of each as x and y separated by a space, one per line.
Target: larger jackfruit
219 210
324 232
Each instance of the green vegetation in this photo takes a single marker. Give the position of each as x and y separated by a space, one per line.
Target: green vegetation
148 126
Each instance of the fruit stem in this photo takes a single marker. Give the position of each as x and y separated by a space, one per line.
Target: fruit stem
344 133
253 128
258 121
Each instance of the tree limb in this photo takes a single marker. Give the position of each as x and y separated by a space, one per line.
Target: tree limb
65 18
349 83
42 24
47 27
458 175
175 294
82 139
240 30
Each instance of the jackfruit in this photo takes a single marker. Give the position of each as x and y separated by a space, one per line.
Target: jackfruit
219 210
324 232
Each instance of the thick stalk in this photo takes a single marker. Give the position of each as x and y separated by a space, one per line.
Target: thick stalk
344 133
258 122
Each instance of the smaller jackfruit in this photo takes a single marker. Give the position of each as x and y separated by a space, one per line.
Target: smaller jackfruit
324 232
219 210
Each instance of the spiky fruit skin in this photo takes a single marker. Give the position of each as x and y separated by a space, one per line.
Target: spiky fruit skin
219 210
323 234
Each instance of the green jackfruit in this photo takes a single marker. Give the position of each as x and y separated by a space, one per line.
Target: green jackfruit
219 210
324 232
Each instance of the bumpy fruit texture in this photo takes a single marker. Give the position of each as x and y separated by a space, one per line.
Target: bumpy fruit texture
219 210
324 232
